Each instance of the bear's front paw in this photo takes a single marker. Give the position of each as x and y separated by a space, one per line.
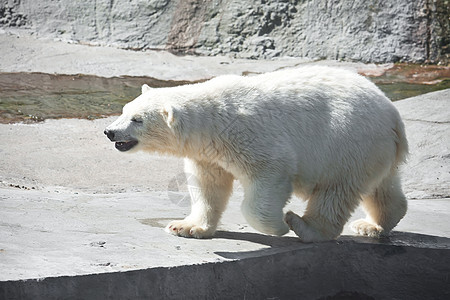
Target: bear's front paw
289 218
363 227
189 229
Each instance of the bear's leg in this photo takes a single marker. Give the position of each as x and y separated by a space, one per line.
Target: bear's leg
326 214
264 199
385 207
210 186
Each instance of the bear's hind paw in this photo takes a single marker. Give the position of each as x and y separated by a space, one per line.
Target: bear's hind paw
366 228
187 229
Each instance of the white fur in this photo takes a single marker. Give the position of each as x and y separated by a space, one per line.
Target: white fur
327 135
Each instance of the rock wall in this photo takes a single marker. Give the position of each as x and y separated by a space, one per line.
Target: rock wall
360 30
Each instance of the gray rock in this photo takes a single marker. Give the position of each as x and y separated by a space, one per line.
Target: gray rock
427 172
380 31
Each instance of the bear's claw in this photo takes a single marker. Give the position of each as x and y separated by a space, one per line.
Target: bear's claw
187 229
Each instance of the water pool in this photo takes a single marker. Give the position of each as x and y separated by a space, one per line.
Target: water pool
34 97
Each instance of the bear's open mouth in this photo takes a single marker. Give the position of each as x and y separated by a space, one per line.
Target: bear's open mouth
125 146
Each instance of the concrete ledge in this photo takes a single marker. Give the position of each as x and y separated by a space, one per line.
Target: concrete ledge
405 266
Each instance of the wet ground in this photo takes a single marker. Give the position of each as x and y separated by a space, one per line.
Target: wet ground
34 97
406 80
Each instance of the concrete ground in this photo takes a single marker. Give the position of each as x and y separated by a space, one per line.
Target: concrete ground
78 219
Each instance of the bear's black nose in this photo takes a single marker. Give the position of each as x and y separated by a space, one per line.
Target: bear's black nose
109 134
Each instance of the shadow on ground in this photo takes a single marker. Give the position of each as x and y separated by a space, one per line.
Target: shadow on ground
275 243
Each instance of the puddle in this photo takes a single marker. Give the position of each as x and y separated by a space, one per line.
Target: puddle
406 80
402 90
34 97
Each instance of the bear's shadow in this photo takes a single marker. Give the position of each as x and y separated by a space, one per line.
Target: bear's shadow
288 243
275 243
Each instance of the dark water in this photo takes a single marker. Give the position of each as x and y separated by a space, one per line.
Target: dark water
401 90
33 97
408 80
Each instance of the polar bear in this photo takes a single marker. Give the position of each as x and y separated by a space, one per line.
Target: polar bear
327 135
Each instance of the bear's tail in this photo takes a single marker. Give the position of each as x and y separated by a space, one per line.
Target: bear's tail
401 143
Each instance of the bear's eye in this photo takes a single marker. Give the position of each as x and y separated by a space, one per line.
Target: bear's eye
136 120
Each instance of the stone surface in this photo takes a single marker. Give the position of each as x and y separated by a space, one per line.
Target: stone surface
26 54
427 174
368 31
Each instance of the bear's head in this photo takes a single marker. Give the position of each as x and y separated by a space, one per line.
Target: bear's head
145 124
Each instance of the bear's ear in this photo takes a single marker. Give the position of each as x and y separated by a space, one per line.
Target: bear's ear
169 114
145 88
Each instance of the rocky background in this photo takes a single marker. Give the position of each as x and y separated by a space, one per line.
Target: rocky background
369 31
